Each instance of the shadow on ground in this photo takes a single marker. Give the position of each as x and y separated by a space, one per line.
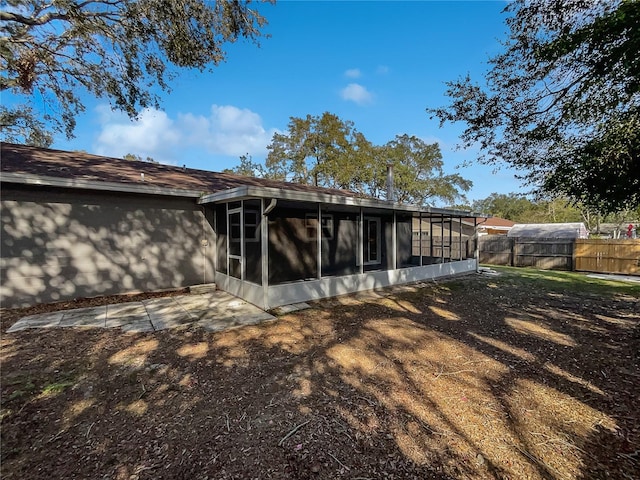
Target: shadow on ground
474 378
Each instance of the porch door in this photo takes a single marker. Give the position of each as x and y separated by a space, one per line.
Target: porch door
372 241
235 247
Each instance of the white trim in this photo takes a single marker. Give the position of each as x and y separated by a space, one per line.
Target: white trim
78 183
296 292
360 245
366 254
256 237
394 242
319 243
251 191
264 249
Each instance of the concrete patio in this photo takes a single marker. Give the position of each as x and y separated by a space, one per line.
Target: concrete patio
213 311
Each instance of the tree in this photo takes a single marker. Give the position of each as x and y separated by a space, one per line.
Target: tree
520 209
418 173
247 167
313 151
329 152
511 206
561 103
137 158
124 50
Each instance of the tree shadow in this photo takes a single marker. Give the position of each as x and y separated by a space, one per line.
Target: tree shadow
450 381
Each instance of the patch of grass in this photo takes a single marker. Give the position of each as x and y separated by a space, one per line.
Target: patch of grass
574 282
19 386
57 387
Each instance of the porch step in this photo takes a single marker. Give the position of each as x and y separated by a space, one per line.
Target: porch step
203 288
294 307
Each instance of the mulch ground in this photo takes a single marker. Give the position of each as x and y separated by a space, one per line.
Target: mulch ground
480 377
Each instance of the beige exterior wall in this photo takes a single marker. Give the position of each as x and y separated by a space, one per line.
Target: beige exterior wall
59 245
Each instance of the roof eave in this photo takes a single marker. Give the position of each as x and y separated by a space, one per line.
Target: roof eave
250 191
81 184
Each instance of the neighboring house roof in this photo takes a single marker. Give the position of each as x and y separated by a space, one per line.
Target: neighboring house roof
611 228
494 222
46 167
549 230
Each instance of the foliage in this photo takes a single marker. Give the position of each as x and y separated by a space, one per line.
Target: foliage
247 167
521 209
561 103
329 152
124 50
21 125
137 158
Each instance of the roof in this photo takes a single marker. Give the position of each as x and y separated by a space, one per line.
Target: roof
59 164
491 222
549 230
47 167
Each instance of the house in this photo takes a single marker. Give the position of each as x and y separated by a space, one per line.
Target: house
617 230
549 230
494 226
79 225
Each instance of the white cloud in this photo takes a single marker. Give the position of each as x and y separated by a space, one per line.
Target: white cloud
356 93
353 73
382 70
153 134
226 130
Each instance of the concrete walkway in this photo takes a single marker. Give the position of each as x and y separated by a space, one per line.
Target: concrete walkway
616 277
214 311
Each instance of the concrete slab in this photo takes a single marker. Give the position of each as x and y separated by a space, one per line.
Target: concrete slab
45 320
165 322
615 277
294 307
213 311
140 326
115 322
125 310
85 317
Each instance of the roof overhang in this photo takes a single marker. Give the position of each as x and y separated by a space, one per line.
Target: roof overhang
78 183
251 191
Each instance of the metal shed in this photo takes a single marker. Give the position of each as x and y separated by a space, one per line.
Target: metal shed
549 230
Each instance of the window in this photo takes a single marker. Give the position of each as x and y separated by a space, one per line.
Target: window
311 223
251 225
371 232
235 233
327 226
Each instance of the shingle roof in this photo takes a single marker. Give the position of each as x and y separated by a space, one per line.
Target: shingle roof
496 222
491 222
22 159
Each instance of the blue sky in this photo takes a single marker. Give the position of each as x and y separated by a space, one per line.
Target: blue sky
378 64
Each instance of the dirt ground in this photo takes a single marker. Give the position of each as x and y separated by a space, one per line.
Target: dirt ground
481 377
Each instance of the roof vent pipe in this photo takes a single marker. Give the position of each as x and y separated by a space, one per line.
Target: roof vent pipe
390 192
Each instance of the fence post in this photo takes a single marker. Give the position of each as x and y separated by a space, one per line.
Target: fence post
513 247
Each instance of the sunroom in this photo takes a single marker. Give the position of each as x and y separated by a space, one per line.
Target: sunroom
276 246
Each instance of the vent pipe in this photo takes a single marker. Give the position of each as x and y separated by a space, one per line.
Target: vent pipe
390 190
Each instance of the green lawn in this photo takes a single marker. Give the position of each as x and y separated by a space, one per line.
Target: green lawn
556 280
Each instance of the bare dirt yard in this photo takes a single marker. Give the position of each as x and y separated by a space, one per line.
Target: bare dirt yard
525 375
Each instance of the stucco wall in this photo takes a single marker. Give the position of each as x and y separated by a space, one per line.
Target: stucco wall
59 245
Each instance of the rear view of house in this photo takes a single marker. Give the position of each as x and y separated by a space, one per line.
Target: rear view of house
78 225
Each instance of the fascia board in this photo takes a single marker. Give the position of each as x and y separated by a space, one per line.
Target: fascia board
45 181
251 191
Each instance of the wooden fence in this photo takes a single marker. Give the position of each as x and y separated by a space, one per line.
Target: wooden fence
456 249
606 256
610 256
